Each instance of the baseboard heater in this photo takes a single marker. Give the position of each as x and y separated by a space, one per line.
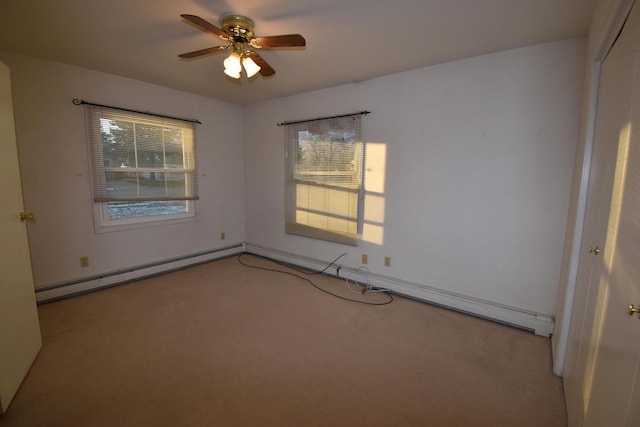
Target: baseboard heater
119 277
540 324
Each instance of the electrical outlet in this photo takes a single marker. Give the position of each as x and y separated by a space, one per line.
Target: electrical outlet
365 258
387 261
222 236
84 261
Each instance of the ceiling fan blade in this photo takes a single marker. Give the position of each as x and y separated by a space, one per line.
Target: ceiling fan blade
206 26
285 40
202 52
265 68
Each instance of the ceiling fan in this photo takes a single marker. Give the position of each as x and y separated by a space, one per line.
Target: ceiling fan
237 30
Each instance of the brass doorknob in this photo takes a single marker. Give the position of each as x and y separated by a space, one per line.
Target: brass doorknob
633 310
26 217
594 250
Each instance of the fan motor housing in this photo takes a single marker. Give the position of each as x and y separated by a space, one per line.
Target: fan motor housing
239 27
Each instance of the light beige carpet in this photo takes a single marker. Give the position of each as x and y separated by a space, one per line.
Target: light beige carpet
221 344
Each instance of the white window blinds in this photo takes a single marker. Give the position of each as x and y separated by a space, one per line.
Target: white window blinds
324 179
140 157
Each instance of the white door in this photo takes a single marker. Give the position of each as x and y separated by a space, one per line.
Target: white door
602 383
614 369
613 115
20 338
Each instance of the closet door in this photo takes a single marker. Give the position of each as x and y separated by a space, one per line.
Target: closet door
604 346
612 115
616 356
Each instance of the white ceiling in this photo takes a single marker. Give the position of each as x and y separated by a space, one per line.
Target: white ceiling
347 40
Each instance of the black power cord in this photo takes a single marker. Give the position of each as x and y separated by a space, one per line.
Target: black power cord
310 273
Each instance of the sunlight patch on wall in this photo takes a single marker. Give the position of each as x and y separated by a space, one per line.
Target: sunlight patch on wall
375 167
373 233
374 209
374 201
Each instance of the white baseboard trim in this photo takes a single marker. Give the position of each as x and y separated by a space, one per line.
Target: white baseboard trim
540 324
89 284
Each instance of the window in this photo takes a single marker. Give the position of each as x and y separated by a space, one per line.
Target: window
143 167
324 179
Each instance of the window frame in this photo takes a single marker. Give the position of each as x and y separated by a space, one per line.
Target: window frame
102 221
293 226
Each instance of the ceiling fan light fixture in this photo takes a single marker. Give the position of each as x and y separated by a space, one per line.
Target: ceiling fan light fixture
232 74
250 67
232 66
237 31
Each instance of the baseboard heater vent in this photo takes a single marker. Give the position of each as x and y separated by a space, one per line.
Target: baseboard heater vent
540 324
90 284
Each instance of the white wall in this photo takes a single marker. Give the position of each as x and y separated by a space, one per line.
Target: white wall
468 189
471 194
55 176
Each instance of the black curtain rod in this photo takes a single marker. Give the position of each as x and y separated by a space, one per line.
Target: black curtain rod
323 118
82 102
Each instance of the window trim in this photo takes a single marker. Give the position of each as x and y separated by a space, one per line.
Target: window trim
102 222
292 226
